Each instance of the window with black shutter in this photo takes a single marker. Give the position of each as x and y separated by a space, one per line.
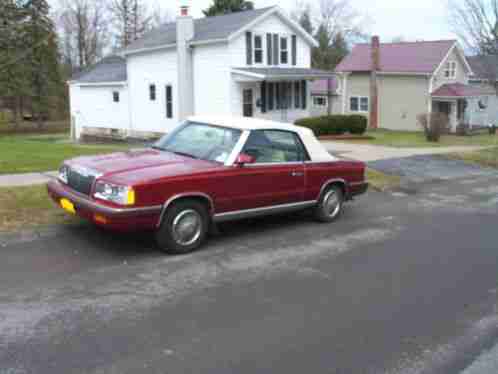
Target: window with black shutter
152 92
269 52
284 53
169 101
249 48
271 96
258 49
263 97
276 53
304 94
294 50
297 95
277 95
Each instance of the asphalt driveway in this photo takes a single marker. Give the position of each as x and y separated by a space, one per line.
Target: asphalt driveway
430 168
400 284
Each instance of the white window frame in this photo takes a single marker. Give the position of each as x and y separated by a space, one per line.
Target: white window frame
359 104
323 97
450 69
286 50
262 49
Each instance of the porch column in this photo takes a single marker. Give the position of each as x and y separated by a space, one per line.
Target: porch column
454 115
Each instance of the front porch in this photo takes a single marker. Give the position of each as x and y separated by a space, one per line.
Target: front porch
463 104
277 94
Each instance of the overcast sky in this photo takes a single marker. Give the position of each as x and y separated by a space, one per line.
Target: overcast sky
412 20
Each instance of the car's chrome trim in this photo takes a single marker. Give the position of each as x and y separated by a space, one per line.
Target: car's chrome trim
82 201
354 184
256 212
165 206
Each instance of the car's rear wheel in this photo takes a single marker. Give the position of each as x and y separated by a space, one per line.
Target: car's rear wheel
184 227
329 207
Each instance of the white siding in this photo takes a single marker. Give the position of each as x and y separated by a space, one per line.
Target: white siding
157 68
93 106
212 79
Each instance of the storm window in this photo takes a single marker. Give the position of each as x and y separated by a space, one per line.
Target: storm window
258 49
169 102
284 52
152 92
115 96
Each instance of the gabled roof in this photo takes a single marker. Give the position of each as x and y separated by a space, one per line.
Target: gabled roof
484 67
111 69
206 29
404 57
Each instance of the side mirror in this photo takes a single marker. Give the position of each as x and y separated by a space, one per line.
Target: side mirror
244 159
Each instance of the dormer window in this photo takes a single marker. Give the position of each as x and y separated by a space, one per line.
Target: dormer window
450 70
258 49
284 51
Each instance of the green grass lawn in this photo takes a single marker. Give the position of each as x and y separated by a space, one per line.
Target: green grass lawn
29 207
33 153
486 157
406 139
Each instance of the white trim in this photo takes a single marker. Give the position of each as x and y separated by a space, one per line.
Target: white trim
344 93
275 10
248 74
149 49
208 41
99 84
230 161
462 56
359 104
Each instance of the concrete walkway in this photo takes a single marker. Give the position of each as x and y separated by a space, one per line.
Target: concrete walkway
367 153
28 179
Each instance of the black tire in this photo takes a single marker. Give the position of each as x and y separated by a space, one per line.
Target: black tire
168 238
322 211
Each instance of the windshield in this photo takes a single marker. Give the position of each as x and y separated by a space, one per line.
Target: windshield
201 141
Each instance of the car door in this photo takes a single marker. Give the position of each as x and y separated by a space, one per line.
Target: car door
276 177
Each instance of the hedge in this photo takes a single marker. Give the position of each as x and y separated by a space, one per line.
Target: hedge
335 124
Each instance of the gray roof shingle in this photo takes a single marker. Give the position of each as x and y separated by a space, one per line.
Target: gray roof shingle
109 69
208 28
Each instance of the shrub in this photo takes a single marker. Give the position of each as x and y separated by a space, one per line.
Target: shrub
335 124
5 117
434 125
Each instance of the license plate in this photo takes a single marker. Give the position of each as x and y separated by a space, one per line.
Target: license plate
68 206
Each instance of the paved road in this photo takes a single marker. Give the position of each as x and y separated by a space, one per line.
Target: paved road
401 284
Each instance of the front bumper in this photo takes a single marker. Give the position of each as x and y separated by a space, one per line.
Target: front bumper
104 215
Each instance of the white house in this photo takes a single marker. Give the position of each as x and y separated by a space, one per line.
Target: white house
253 63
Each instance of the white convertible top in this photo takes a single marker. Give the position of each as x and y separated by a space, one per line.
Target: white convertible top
315 149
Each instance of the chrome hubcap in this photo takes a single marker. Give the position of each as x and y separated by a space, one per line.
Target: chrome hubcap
331 203
187 227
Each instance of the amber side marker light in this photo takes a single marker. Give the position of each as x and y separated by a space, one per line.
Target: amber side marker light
100 219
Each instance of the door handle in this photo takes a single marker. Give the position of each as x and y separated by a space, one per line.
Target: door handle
297 174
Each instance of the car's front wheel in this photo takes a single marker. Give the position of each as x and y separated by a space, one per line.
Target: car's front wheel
184 227
330 205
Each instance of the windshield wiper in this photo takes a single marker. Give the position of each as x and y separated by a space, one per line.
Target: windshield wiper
184 154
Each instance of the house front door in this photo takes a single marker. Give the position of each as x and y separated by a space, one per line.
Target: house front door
247 103
444 107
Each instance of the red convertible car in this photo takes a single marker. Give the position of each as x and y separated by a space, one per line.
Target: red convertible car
209 170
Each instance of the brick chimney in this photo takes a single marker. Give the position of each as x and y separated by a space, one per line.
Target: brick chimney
374 89
185 33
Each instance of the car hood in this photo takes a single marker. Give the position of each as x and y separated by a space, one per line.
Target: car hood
141 165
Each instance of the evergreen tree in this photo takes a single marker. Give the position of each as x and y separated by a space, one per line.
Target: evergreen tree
42 61
220 7
13 81
330 51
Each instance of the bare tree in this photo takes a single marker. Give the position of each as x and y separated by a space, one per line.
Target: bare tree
83 30
160 16
339 17
131 19
476 24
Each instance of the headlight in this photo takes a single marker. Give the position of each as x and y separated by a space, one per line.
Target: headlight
123 195
64 174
